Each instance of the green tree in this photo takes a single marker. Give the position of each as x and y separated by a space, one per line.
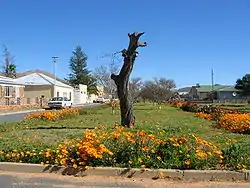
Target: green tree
243 84
9 68
79 72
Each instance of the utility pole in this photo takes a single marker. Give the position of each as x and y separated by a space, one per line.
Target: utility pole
212 79
54 61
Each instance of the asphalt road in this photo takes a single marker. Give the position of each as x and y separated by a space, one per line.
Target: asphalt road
19 117
28 180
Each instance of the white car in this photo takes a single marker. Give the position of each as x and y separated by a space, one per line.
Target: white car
101 100
60 102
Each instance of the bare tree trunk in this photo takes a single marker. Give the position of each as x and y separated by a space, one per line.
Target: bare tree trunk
122 79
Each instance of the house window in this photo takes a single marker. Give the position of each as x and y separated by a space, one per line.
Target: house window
69 95
57 94
64 94
17 91
8 91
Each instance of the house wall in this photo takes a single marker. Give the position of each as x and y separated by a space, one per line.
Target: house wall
16 95
63 92
203 95
91 98
193 93
33 94
228 95
80 95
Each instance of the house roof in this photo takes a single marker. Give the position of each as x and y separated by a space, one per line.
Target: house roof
11 81
229 88
18 75
208 88
184 89
40 79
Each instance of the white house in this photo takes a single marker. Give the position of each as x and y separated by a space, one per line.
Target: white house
80 94
41 88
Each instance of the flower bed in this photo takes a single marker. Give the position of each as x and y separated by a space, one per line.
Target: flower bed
54 114
229 119
121 147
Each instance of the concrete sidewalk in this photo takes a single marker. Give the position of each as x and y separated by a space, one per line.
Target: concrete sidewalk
32 180
21 111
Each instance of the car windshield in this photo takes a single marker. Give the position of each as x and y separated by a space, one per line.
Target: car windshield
57 99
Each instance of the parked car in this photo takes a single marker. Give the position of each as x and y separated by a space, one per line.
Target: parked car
101 100
60 102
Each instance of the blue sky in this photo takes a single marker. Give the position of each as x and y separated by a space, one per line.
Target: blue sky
185 38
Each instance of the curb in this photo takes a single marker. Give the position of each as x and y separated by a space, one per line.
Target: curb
198 175
21 112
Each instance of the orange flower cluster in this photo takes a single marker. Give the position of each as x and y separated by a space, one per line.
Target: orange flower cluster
235 122
204 115
80 151
177 103
113 103
54 114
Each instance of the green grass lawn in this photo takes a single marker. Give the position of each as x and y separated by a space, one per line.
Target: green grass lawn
33 134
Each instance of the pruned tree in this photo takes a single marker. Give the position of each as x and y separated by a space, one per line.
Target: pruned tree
122 79
9 68
79 72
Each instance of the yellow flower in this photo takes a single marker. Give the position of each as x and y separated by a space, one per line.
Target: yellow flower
159 158
139 160
143 166
74 166
187 162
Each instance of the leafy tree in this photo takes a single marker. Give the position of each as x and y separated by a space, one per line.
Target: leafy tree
9 68
79 72
243 84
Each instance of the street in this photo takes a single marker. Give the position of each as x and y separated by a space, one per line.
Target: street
20 116
45 180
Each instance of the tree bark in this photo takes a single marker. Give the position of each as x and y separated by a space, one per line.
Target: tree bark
122 79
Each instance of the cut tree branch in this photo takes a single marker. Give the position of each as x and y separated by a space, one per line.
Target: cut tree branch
142 44
114 77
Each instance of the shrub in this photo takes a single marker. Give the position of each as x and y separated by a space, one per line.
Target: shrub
237 157
190 107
